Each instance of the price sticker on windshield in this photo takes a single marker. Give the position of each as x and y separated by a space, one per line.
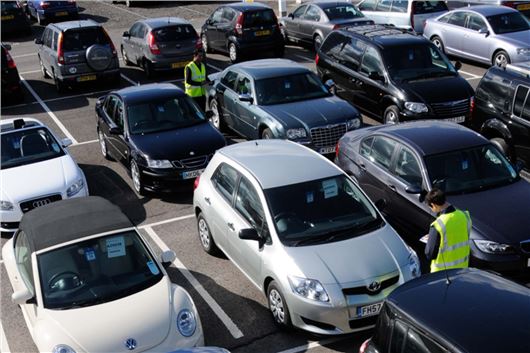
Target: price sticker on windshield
330 187
115 247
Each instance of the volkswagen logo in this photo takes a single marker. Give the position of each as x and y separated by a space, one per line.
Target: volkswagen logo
374 286
130 343
40 203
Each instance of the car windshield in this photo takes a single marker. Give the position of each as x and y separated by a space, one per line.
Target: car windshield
96 271
423 7
81 39
169 114
175 33
508 23
286 89
340 12
321 211
415 62
21 147
470 170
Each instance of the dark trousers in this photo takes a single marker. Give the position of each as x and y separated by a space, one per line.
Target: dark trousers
201 102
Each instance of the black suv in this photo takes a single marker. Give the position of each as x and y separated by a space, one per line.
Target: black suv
502 110
393 75
77 51
242 28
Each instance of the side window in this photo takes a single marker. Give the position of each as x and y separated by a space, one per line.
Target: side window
521 96
475 22
384 5
55 39
418 343
526 109
400 6
135 30
382 150
48 37
312 14
142 32
248 204
217 15
229 79
408 168
494 89
299 11
224 180
445 18
367 5
110 104
228 14
23 260
383 327
333 44
372 62
119 113
458 19
398 337
244 86
352 53
366 147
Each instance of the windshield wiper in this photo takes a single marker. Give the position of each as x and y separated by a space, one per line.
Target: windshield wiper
339 233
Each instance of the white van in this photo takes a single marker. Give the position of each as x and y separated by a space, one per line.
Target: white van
402 13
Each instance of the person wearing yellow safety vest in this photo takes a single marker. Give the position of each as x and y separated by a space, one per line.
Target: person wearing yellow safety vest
448 242
195 79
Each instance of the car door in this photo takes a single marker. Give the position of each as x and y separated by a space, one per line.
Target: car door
310 20
408 338
121 139
24 262
45 50
349 81
127 42
371 84
245 121
293 23
212 30
452 32
520 128
106 123
138 42
225 96
476 45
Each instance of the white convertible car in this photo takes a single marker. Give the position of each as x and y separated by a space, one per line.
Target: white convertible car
87 281
35 170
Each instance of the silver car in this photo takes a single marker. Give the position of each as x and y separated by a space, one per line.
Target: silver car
489 34
303 233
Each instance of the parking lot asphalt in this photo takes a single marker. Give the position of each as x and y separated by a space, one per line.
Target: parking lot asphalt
234 313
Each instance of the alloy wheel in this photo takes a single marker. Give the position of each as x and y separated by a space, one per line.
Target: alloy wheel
276 306
204 233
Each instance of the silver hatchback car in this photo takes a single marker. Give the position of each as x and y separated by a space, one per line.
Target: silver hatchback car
303 233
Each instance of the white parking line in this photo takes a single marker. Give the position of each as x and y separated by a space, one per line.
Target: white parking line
132 82
47 109
473 76
4 346
56 99
149 225
83 143
119 8
192 10
311 345
23 55
229 324
29 72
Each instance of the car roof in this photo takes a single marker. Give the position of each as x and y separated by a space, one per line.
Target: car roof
161 22
247 6
7 125
71 219
433 136
64 26
384 35
327 4
474 301
265 68
148 92
277 163
488 10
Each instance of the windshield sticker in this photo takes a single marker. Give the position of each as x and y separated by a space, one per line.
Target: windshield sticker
90 254
309 197
115 247
330 187
465 164
161 108
153 268
287 85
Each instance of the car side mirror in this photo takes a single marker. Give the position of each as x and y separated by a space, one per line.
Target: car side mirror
167 257
374 75
115 130
249 234
7 46
380 204
99 102
126 34
484 30
458 65
21 296
66 142
38 41
245 97
291 16
413 189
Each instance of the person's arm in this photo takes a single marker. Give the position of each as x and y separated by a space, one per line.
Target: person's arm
189 81
433 244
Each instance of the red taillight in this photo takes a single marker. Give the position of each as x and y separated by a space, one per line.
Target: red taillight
335 27
363 347
239 24
152 44
337 151
196 182
10 62
112 47
44 4
317 58
60 51
509 3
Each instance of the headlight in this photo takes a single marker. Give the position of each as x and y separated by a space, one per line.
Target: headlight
523 51
308 288
62 348
414 263
186 323
6 205
416 107
491 247
75 188
293 134
353 124
159 163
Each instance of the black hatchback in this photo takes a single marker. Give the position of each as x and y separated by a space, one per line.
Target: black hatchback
393 75
158 133
241 29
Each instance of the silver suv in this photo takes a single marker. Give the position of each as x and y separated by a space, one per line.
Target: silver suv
77 51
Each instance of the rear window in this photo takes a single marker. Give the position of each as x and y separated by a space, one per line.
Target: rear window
74 40
8 5
175 33
259 18
421 7
342 12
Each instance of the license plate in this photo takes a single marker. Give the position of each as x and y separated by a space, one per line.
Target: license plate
458 119
369 310
178 65
192 174
8 17
87 78
523 7
262 33
61 13
325 150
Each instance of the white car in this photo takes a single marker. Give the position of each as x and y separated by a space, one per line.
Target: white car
87 281
36 169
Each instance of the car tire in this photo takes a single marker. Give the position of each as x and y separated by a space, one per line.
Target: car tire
206 44
278 306
267 134
233 52
501 58
205 236
125 57
59 85
148 68
502 145
43 69
136 177
437 41
391 115
317 42
103 145
216 118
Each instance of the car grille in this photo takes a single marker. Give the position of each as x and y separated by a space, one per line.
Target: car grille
525 246
387 283
41 201
193 162
451 109
327 136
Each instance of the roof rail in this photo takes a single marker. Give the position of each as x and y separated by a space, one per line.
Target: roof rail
378 30
522 68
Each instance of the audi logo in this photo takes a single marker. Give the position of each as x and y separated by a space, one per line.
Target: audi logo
40 203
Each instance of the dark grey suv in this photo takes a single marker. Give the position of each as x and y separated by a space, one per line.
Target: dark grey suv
160 44
77 51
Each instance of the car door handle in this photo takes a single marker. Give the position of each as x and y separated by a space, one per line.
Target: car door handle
362 166
392 187
207 200
231 226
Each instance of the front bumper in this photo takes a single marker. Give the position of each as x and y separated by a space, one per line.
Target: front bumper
406 115
168 180
510 265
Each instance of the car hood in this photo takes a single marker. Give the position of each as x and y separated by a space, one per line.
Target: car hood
437 90
145 316
352 260
500 214
37 179
200 139
517 39
311 113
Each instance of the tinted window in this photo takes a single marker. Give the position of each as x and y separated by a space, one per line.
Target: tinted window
458 19
110 104
382 150
366 147
175 33
367 5
508 23
229 79
352 53
244 86
228 15
217 16
493 89
400 6
422 7
371 62
119 114
299 11
285 89
55 38
333 44
74 40
398 337
418 343
312 14
23 260
476 22
407 167
384 5
248 204
342 12
382 329
521 96
135 30
224 180
259 18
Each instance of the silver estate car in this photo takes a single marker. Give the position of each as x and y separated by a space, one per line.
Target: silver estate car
303 233
489 34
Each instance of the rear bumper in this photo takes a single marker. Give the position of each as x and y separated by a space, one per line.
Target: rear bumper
249 47
176 63
58 13
78 78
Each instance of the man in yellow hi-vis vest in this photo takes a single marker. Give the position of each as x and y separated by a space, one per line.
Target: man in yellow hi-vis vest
195 79
448 243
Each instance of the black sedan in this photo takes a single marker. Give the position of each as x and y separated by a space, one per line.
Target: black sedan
311 22
397 164
14 19
158 133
